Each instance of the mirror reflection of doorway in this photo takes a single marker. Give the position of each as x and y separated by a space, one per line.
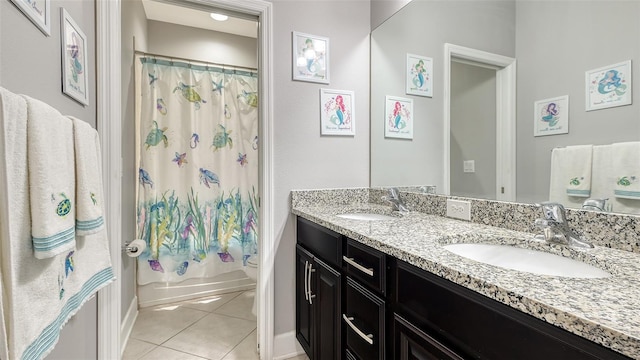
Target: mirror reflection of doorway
502 70
473 130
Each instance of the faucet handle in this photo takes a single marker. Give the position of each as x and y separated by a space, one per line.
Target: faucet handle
553 211
394 193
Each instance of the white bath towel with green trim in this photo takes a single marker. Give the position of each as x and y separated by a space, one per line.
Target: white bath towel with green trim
626 168
577 162
89 211
52 180
38 295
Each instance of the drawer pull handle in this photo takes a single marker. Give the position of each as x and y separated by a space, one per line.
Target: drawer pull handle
306 284
365 337
351 262
311 270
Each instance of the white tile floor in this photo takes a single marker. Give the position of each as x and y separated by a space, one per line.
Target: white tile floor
219 327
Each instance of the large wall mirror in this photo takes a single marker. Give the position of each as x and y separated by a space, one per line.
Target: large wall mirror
554 44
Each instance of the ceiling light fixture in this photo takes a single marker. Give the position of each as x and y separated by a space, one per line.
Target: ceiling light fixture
219 17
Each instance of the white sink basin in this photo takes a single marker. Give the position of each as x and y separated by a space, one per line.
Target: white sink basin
366 216
532 261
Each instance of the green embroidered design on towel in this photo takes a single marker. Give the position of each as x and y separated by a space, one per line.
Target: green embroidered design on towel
64 206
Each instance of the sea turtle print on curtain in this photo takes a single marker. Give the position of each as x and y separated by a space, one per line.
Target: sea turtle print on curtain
197 205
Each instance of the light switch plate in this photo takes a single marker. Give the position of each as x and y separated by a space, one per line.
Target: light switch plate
459 209
469 166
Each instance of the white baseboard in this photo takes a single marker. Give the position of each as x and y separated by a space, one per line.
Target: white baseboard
127 324
286 346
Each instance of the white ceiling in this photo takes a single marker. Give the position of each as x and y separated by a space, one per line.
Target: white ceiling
160 11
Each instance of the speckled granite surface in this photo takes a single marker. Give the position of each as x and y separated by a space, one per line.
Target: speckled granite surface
606 311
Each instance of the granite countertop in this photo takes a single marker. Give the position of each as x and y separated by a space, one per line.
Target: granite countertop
605 311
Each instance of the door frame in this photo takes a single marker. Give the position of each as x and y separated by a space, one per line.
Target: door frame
109 117
505 116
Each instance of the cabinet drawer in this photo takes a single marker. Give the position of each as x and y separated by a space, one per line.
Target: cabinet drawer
367 265
322 242
364 322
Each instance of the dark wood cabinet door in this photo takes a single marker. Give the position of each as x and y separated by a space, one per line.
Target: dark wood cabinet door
410 343
304 310
326 296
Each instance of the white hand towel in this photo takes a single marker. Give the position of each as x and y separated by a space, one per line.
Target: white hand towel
560 177
50 158
577 165
626 168
89 214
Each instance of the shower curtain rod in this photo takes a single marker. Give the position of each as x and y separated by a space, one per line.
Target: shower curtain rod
224 66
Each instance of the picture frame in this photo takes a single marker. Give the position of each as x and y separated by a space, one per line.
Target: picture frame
38 12
310 58
75 82
608 86
337 112
419 75
398 117
551 116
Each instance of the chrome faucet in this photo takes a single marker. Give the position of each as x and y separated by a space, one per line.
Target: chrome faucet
394 198
555 228
596 204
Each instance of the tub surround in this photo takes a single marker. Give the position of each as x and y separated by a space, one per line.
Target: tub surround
605 311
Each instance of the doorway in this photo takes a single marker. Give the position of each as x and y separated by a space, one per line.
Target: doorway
110 107
505 153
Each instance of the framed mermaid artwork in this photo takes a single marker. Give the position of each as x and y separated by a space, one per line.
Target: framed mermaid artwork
419 77
337 115
551 116
38 11
398 117
608 86
310 58
75 80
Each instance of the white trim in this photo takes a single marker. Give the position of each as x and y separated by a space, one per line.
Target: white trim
286 346
109 126
127 324
505 115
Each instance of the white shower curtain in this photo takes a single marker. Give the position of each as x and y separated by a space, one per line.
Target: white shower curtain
197 205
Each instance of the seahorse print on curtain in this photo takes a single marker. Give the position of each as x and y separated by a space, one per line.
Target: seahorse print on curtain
197 205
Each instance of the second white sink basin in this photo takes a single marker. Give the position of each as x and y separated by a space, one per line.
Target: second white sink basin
532 261
366 216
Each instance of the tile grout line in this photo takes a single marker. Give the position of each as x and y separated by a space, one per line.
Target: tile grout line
239 342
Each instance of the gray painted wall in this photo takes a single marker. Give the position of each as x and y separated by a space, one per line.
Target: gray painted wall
556 42
381 10
30 64
488 26
134 24
199 44
473 130
304 159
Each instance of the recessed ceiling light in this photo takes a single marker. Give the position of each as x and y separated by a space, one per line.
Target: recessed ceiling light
219 17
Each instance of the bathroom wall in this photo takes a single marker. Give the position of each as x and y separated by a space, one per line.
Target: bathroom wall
560 41
483 25
473 130
302 158
381 10
30 63
134 25
200 44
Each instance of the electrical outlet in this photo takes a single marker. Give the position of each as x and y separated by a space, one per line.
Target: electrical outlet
459 209
469 166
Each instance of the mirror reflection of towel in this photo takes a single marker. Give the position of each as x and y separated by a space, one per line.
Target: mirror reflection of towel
626 168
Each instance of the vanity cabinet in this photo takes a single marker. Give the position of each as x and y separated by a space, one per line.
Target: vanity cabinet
318 291
474 326
355 302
